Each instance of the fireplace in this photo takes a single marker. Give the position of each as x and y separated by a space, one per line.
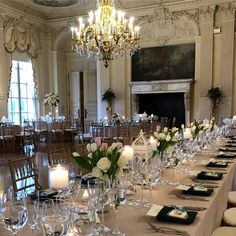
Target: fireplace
166 98
169 105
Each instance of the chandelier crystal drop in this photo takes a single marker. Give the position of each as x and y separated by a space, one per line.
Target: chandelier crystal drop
108 33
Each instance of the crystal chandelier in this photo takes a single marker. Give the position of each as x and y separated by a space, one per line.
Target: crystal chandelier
108 33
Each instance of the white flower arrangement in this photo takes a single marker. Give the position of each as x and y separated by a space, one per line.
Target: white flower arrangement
103 161
166 138
51 99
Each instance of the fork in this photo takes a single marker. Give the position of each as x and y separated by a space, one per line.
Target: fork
167 230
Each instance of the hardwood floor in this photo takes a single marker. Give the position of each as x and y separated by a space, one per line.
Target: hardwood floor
41 162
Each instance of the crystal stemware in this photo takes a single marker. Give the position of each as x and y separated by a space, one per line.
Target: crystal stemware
54 222
116 197
93 190
13 214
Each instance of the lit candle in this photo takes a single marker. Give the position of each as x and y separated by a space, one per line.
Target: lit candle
128 153
85 195
153 142
59 177
187 133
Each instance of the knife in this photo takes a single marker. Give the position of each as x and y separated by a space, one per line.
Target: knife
190 208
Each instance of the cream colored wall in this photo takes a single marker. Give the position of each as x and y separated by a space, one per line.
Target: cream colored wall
215 59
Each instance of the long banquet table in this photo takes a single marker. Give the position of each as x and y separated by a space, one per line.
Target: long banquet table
134 221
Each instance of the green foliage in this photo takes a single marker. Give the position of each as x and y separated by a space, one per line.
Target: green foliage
215 95
108 95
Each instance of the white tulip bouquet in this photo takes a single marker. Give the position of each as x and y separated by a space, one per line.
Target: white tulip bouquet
102 161
166 138
197 128
209 126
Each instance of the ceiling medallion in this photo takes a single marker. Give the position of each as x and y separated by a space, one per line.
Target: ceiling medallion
55 3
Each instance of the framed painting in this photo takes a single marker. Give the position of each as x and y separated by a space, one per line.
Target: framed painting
164 63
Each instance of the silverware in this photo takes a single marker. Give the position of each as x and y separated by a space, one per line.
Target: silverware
191 197
219 170
204 185
190 208
167 230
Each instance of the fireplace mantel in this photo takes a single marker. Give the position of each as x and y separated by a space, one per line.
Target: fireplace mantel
162 86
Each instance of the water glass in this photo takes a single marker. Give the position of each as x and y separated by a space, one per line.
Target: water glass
13 213
54 222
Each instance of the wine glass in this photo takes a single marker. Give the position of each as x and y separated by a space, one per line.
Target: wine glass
54 222
13 214
116 197
34 216
152 176
102 200
93 190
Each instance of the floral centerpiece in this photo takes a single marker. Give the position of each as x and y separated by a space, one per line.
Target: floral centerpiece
197 128
51 99
211 125
165 139
102 161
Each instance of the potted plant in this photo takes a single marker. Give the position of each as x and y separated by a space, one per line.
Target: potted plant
108 97
215 95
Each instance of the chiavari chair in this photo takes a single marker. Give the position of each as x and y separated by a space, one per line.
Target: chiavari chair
41 130
60 156
7 136
24 175
56 131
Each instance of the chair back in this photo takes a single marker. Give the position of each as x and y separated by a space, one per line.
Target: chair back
60 156
24 175
97 130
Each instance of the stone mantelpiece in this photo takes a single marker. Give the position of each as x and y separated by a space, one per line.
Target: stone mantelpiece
162 86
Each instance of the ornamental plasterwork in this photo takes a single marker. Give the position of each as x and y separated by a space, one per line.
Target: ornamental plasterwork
164 25
227 10
206 13
18 33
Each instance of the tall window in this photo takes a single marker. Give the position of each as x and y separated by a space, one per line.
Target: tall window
22 100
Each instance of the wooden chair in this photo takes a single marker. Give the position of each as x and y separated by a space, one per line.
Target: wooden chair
60 156
7 136
97 130
24 175
56 131
41 131
124 136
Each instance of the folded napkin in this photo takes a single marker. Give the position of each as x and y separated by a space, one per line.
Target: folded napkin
166 215
43 195
199 191
225 155
219 164
232 142
227 149
84 179
209 175
230 145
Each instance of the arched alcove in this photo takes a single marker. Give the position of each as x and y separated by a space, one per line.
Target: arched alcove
69 67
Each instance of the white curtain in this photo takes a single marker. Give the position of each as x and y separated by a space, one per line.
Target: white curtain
21 36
